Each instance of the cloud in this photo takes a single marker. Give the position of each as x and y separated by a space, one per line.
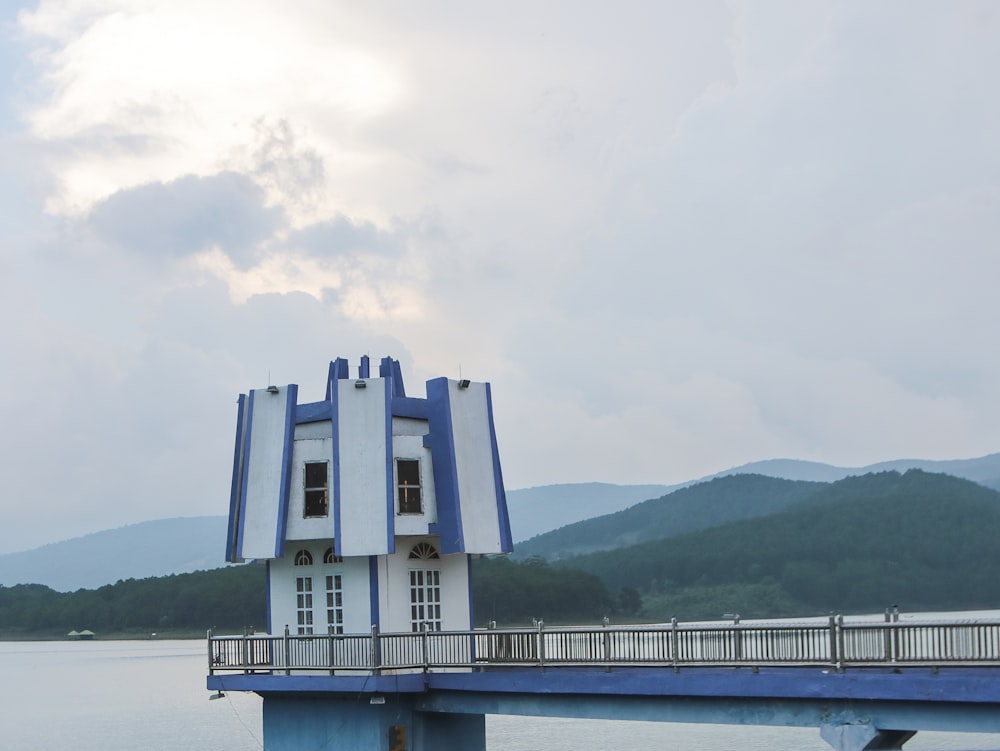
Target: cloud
339 236
676 236
189 215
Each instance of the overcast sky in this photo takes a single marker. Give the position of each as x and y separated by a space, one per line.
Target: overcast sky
675 236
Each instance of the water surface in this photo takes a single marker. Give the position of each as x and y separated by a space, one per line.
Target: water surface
151 696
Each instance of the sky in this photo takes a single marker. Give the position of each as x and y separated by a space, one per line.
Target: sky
675 236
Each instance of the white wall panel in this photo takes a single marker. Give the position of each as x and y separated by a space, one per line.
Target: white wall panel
310 450
363 468
475 469
357 599
263 483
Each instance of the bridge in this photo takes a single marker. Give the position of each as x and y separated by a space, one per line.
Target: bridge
865 682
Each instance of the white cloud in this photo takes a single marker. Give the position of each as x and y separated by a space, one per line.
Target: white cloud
675 236
171 89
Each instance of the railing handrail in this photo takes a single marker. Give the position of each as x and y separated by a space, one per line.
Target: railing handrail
837 642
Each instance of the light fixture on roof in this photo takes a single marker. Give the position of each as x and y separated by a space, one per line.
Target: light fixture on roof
360 384
272 389
464 383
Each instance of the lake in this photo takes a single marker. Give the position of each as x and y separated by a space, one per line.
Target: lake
150 696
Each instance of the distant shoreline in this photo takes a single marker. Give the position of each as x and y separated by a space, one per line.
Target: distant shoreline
179 634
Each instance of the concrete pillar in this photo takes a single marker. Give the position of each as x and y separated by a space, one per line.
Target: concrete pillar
293 723
864 737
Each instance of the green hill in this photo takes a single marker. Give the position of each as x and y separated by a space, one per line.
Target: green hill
925 541
700 506
179 604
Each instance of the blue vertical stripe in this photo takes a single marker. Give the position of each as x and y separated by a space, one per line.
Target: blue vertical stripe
390 489
389 368
338 370
245 472
235 492
472 605
503 518
334 397
365 367
267 579
373 590
291 398
442 445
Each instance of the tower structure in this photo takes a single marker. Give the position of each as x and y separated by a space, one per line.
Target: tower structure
367 505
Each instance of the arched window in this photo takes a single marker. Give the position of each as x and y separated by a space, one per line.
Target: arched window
424 551
425 589
303 558
329 557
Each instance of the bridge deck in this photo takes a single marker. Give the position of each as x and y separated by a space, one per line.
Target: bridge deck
862 683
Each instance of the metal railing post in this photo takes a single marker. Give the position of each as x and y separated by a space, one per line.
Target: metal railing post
211 656
837 642
737 639
887 637
330 631
541 644
607 644
674 651
895 633
423 645
288 652
376 651
245 649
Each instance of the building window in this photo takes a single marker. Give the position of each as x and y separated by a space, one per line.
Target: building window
329 557
316 494
425 600
408 486
424 551
303 558
335 604
304 604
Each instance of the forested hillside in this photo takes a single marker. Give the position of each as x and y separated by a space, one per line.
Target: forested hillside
700 506
232 598
922 540
228 599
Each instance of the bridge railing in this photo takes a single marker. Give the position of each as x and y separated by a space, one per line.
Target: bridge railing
834 643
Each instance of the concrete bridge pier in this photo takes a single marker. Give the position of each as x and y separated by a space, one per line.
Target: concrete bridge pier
366 722
864 737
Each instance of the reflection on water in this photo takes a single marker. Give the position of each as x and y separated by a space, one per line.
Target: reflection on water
150 695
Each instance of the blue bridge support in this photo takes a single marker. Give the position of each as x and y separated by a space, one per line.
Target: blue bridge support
857 710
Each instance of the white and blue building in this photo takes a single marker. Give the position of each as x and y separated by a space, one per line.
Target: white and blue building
367 506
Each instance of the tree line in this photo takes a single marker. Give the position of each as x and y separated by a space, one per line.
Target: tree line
230 599
923 541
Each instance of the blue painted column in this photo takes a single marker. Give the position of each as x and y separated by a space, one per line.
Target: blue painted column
333 723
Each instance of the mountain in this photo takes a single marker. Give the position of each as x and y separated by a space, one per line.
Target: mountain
984 470
705 504
536 510
926 541
180 545
154 548
161 547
